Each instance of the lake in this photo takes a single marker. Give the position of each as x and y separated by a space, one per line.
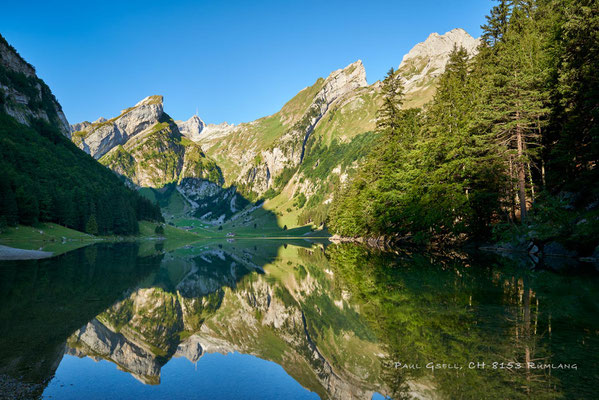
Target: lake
294 319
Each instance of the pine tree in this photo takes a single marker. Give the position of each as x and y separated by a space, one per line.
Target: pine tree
389 112
92 225
46 206
497 22
516 104
573 140
27 205
8 203
480 147
457 175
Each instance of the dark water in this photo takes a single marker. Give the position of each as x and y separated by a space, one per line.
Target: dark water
293 320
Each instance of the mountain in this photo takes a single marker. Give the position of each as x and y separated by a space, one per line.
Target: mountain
192 128
45 178
146 146
253 154
293 159
297 157
23 95
422 66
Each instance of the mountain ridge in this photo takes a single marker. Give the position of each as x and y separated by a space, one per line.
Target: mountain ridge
45 177
25 97
273 157
145 145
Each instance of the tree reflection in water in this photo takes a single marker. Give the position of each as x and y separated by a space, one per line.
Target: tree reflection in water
339 319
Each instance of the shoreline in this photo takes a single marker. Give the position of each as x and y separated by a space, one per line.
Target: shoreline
15 254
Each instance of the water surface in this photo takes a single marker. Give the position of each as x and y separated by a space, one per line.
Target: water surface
295 320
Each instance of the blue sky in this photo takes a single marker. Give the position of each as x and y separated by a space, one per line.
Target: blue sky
233 61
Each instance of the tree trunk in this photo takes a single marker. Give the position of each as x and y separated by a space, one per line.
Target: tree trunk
512 192
521 171
543 173
527 352
532 183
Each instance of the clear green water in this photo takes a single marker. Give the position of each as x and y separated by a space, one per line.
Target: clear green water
294 320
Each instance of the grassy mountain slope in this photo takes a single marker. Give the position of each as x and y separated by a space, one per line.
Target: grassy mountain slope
246 141
300 193
294 159
46 178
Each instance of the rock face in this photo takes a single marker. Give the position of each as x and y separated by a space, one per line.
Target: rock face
23 95
103 135
215 131
192 128
275 154
420 68
211 202
339 107
339 83
257 162
146 146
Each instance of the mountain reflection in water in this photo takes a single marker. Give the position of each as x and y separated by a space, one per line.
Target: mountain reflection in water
295 319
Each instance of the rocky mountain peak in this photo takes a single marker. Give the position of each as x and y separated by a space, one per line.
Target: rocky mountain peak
344 80
216 131
437 46
102 135
427 60
150 100
192 128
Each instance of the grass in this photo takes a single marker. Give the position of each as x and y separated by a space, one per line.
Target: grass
147 229
176 204
260 134
351 118
46 237
266 225
295 108
268 130
190 222
279 206
49 237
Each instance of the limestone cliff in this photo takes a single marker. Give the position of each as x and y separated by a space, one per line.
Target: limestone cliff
192 128
23 95
294 158
421 67
256 152
145 145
